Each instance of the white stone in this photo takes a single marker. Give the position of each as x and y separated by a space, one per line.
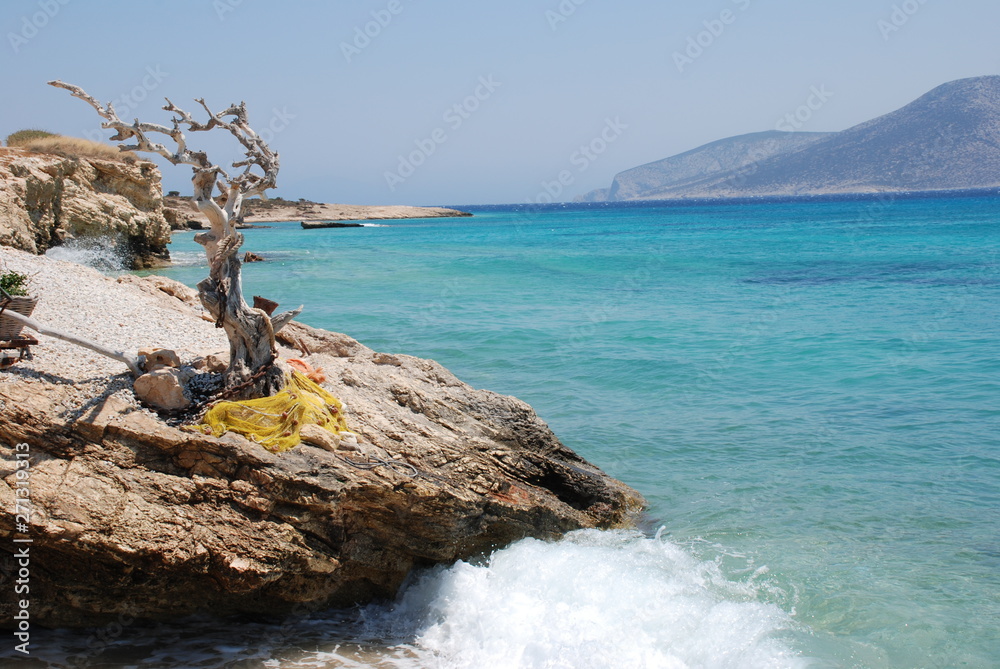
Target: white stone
163 387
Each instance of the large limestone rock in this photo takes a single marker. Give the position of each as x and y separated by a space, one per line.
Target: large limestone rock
46 200
163 388
133 515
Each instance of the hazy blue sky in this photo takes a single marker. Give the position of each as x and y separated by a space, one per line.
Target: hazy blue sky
629 79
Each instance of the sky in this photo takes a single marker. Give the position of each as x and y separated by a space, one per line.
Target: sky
462 102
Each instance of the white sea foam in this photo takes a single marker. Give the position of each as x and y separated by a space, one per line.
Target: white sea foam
595 599
101 253
188 259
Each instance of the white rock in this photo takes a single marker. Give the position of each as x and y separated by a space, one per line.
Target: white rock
160 357
163 387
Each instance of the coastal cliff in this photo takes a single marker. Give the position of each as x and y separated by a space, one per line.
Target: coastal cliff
135 517
47 200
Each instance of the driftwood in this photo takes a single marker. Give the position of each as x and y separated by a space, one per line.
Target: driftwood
134 363
250 331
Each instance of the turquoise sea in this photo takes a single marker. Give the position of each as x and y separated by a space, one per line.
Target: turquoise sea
806 392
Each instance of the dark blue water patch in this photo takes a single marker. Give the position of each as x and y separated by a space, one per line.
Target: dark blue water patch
805 279
929 272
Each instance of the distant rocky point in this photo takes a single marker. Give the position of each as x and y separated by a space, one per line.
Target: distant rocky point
50 199
945 140
277 210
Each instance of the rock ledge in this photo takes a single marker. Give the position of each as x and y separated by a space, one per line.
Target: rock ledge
133 516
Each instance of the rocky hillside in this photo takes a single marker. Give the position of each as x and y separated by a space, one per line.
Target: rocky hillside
946 139
724 157
47 200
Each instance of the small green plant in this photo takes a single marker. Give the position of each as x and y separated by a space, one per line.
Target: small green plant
22 137
14 283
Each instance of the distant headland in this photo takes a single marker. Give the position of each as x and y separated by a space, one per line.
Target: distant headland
277 210
943 141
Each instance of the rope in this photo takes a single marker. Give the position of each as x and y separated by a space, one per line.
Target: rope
229 392
409 470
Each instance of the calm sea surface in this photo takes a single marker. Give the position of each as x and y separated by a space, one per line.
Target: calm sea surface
807 394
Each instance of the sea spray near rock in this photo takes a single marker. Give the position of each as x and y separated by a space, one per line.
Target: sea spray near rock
595 599
590 601
104 254
47 200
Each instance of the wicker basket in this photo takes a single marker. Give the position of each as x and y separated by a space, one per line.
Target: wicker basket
10 328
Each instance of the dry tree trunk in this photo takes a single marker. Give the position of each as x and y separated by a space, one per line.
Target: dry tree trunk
252 350
252 370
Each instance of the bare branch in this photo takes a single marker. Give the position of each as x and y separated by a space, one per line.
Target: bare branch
139 131
250 331
258 153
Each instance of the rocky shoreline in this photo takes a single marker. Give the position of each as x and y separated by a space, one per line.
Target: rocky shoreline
133 516
48 200
182 212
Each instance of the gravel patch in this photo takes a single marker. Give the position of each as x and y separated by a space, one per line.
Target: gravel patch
81 301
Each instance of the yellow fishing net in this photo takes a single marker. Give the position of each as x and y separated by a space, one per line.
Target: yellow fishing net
274 422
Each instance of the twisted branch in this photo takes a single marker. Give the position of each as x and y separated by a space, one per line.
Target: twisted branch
251 370
258 154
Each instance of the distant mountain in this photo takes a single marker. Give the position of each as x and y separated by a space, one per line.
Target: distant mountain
947 139
724 158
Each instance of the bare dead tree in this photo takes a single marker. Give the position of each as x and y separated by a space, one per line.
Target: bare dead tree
252 371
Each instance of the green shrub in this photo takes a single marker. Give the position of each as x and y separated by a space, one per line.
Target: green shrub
21 137
14 283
